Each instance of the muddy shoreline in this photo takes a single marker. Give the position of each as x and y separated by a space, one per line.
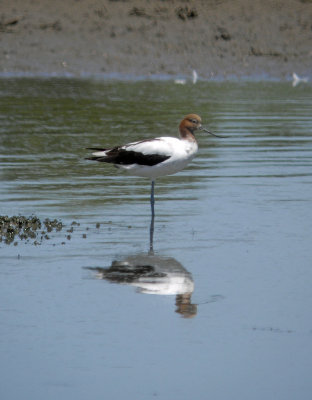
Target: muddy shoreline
264 39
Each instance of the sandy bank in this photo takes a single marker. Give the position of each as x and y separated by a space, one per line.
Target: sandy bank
217 38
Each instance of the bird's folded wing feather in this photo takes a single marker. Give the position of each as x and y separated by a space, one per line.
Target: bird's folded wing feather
161 146
145 152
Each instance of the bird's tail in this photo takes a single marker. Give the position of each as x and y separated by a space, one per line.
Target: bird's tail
99 155
96 148
96 158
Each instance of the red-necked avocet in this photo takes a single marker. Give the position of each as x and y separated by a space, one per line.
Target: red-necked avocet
157 157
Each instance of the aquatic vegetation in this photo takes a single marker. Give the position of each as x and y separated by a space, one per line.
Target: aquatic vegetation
27 228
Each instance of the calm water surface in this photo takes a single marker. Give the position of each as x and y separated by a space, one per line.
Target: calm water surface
222 309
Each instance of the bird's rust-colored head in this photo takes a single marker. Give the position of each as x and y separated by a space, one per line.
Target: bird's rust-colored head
189 124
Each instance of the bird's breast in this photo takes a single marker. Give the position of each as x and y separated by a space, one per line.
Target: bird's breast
192 148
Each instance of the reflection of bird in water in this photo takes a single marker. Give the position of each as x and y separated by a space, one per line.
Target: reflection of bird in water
157 157
152 274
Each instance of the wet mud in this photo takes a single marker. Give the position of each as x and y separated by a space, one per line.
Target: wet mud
141 38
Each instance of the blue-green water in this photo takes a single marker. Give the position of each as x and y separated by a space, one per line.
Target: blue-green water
233 230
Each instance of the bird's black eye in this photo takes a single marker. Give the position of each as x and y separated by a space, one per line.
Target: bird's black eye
193 121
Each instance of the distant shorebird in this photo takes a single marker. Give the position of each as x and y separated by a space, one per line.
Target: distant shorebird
194 76
157 157
182 81
297 79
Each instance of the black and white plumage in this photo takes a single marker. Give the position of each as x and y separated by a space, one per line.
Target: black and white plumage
149 158
155 157
130 154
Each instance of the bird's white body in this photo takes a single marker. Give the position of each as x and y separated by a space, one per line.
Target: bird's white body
194 76
297 79
179 152
155 157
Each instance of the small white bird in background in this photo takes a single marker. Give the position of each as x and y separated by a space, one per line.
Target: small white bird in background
182 81
152 158
194 76
297 79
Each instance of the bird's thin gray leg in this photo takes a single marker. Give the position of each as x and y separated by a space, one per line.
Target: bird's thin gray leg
151 247
152 198
151 250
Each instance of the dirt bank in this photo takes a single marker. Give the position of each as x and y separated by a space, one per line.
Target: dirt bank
218 38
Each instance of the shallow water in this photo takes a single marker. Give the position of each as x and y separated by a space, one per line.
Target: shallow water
232 263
